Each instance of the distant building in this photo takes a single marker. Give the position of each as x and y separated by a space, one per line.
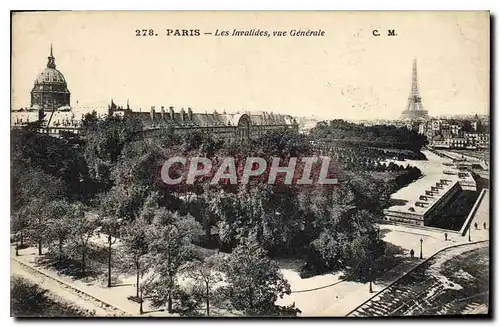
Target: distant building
50 103
455 129
480 140
228 126
452 134
424 206
50 91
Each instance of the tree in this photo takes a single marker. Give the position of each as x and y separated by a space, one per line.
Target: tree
283 143
59 223
114 206
90 120
223 207
84 226
348 239
37 189
139 167
206 275
122 204
254 282
136 242
171 236
332 246
386 136
60 158
200 143
166 137
110 226
104 142
19 222
467 126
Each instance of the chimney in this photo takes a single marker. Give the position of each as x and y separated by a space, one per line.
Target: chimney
190 114
171 109
162 113
152 112
182 114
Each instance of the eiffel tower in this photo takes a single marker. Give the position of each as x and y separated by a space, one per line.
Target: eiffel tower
415 109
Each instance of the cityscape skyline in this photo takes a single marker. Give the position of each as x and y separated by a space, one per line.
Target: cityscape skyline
353 82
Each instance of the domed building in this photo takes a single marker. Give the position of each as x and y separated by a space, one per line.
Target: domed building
50 104
50 91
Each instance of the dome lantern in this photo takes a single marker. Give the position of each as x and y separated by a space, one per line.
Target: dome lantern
52 60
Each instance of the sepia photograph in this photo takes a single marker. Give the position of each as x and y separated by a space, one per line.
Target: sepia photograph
247 164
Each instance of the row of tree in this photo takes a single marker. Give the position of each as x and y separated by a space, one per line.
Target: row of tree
373 153
343 133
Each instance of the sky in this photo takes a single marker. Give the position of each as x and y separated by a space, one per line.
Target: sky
347 73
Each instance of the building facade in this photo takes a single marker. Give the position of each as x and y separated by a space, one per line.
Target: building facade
50 103
455 134
228 126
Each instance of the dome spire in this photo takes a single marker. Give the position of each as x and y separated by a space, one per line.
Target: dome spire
52 60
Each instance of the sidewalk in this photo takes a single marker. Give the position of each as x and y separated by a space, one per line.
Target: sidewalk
116 296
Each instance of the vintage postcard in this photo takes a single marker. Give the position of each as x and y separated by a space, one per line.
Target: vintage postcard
250 164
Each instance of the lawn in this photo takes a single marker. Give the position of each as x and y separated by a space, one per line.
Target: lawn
29 300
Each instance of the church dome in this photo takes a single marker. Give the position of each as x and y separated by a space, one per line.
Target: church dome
50 91
50 76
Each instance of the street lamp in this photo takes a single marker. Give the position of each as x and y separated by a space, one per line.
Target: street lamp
421 241
370 276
